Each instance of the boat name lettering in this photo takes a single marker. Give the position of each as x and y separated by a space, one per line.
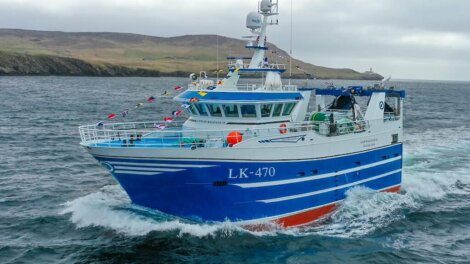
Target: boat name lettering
369 142
244 173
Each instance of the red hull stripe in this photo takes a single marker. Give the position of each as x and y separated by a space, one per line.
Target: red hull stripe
393 189
315 214
305 217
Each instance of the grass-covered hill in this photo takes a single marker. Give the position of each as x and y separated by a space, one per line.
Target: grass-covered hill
27 52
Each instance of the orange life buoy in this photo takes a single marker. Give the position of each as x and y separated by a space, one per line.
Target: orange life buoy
234 137
283 128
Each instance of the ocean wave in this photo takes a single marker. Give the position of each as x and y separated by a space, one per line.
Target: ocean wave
364 211
436 163
110 208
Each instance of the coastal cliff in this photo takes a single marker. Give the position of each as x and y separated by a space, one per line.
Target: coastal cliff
17 64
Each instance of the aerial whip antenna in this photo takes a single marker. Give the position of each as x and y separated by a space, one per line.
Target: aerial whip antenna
384 82
217 37
290 55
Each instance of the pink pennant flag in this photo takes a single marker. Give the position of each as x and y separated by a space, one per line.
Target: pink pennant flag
168 119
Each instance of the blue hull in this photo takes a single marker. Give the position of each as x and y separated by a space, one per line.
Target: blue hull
250 190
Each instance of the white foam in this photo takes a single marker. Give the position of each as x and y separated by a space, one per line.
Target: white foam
364 211
110 208
435 162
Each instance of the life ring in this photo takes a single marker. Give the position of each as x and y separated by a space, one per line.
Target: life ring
283 128
359 126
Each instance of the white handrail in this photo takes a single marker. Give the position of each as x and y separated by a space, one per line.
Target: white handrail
143 134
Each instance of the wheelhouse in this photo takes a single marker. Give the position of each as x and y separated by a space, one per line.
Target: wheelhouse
242 107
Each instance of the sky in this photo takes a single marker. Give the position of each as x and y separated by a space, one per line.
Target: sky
404 39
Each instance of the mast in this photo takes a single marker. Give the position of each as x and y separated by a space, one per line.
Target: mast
267 8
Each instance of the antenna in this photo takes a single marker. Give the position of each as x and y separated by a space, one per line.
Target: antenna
217 55
290 55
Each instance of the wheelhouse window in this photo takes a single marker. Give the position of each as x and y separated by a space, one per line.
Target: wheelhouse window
192 109
266 110
277 110
214 110
248 111
231 110
201 108
288 109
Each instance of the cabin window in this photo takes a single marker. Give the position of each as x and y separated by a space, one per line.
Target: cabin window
266 110
214 110
201 109
277 110
392 106
192 109
288 109
248 111
231 110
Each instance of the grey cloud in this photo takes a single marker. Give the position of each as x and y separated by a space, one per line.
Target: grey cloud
404 38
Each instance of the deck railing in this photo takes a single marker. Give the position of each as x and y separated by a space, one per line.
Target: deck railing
247 87
262 87
235 64
148 135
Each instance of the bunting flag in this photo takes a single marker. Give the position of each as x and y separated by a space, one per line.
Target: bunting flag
152 99
159 126
125 113
202 93
303 71
177 112
168 119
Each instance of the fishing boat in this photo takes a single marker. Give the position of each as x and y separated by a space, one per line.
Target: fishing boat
266 152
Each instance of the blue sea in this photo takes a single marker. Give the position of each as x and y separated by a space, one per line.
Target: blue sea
57 205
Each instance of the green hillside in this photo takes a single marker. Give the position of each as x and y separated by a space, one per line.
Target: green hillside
26 52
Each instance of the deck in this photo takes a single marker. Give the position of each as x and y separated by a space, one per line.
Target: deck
147 135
